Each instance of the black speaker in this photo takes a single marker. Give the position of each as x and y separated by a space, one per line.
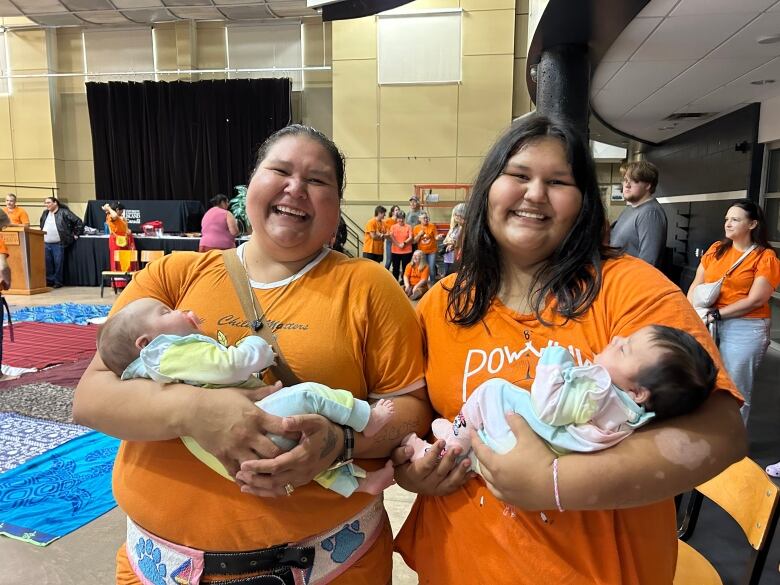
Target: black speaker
358 8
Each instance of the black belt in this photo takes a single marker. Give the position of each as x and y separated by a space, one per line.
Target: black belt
278 561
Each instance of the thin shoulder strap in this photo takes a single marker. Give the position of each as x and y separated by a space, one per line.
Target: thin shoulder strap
740 259
255 316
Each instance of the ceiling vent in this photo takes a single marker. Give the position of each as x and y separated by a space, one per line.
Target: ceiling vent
687 116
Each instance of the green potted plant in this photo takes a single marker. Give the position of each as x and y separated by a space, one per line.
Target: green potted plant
238 209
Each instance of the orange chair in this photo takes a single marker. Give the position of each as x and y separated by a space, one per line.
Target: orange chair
124 259
746 493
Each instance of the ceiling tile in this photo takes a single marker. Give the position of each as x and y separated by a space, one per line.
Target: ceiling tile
631 38
633 83
188 2
745 43
149 16
658 8
292 9
8 9
775 8
42 7
104 17
604 72
690 37
136 3
66 19
197 13
697 7
77 5
245 12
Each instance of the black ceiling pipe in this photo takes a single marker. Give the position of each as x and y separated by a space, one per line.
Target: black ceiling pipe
563 84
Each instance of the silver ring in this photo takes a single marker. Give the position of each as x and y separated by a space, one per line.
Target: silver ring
289 489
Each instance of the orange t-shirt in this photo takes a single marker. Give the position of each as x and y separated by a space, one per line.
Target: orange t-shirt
331 325
427 243
400 233
389 222
3 247
466 537
17 215
117 226
416 274
370 245
736 285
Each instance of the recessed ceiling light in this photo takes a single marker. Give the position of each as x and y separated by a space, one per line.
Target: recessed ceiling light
768 39
762 82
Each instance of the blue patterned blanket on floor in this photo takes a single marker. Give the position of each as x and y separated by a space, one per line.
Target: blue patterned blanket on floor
22 438
74 313
58 491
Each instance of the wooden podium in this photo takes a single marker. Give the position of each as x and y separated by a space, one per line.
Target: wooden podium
26 259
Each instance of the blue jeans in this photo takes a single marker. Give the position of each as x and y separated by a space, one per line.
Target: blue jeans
388 256
743 344
55 253
431 259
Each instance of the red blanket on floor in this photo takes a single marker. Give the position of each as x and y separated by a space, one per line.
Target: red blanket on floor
37 345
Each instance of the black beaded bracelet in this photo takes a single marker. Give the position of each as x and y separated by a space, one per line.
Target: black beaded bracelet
715 314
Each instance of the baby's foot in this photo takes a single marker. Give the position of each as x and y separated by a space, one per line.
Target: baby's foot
419 446
381 413
376 482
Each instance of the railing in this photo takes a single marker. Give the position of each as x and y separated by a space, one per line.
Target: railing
52 190
354 242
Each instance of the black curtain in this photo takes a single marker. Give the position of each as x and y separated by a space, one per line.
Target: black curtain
181 140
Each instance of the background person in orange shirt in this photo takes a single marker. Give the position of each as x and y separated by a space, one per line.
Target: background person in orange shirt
389 222
401 245
374 238
15 214
535 272
427 241
742 309
417 276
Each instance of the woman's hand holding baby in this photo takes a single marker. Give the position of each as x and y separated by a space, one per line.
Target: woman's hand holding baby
431 475
321 442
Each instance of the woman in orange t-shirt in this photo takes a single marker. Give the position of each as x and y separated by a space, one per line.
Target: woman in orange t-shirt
120 237
742 309
416 276
427 241
389 223
535 272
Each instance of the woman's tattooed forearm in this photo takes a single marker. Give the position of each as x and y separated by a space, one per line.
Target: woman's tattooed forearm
330 443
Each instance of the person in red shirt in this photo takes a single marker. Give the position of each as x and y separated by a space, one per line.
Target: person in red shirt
416 276
536 271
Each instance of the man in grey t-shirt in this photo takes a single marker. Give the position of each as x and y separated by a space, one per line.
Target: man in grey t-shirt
413 215
641 228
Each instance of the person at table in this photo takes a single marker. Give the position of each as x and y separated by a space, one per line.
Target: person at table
218 228
535 272
62 228
120 237
16 214
308 292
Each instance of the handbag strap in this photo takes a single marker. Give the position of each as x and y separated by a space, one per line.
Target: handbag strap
255 316
739 260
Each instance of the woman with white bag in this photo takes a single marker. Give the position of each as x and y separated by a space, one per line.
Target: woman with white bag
748 271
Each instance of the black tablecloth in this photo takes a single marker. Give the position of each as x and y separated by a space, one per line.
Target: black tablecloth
177 216
88 256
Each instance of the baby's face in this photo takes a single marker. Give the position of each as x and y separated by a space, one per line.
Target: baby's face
625 357
161 319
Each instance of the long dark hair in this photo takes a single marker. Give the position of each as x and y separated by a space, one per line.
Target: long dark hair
312 134
758 234
572 274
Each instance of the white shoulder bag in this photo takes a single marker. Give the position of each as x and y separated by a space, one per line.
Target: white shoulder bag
706 294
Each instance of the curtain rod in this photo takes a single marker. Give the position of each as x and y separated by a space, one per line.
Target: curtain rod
169 72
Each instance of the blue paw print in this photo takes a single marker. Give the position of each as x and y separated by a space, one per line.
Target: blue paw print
149 558
346 541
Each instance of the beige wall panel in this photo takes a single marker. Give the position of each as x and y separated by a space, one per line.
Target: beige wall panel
354 39
35 171
521 101
521 35
416 170
317 79
360 213
31 127
355 108
472 5
489 32
361 192
485 104
7 173
74 125
165 40
468 167
75 171
327 41
522 7
6 144
428 5
313 50
418 120
77 195
70 55
362 170
317 109
72 85
27 49
396 194
211 47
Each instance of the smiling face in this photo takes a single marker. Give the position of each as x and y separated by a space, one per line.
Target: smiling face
293 199
738 226
533 203
50 205
10 201
625 357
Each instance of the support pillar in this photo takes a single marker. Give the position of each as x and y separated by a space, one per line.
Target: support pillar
563 84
